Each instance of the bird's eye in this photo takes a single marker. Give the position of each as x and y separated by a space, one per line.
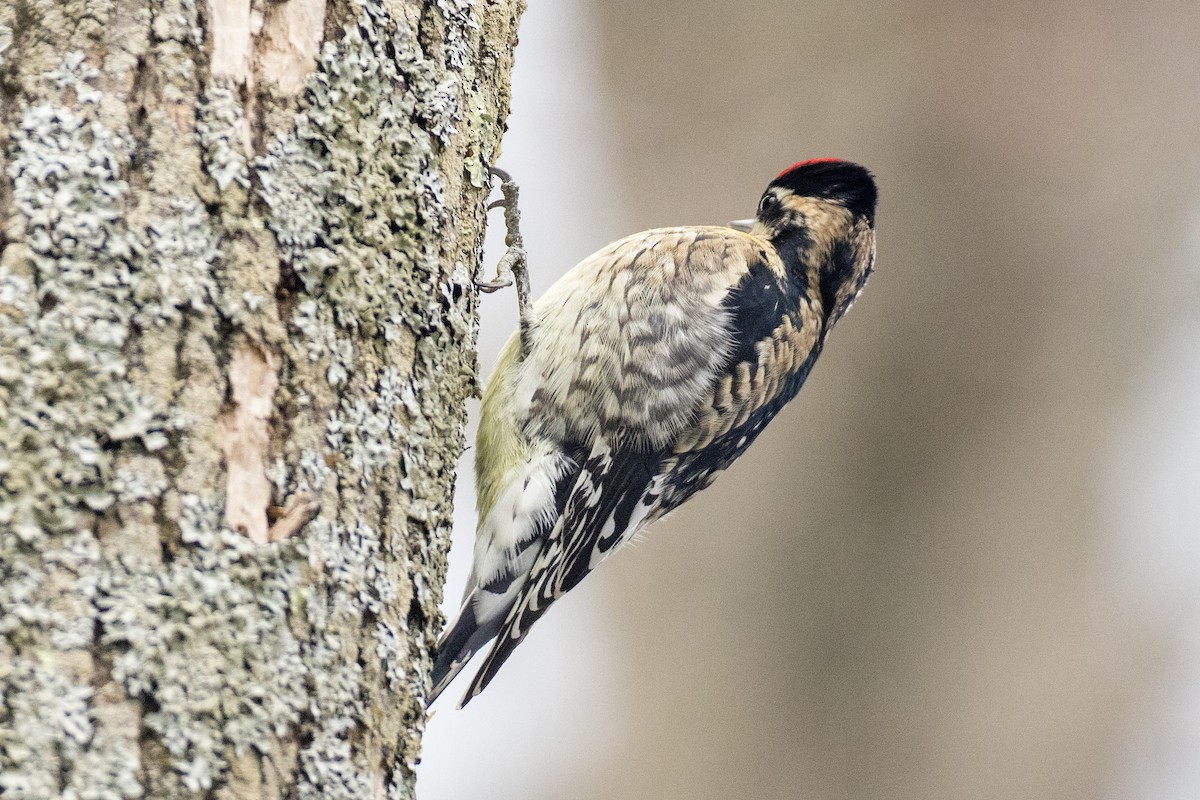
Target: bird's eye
768 204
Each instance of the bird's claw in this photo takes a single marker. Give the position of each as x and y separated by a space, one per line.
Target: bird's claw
502 174
500 282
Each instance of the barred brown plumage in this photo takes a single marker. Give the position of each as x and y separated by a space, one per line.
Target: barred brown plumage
653 365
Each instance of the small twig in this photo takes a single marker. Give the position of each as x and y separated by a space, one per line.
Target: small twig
514 264
286 522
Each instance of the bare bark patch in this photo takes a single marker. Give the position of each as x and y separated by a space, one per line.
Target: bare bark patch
232 39
286 521
245 438
273 46
287 48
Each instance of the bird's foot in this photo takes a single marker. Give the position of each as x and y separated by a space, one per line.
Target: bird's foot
513 266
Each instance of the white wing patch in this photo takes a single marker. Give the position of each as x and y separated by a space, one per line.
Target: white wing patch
524 506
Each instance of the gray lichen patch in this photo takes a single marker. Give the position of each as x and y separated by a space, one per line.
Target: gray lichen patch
207 640
76 291
224 135
346 189
176 274
65 408
68 303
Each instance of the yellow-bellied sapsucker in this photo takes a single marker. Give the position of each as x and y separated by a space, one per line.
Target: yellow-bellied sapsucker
647 370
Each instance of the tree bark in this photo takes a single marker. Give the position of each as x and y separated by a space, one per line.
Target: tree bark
237 333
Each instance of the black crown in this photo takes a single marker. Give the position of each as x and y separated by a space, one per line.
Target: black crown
833 179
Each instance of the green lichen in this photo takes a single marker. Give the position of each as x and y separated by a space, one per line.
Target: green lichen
349 205
480 118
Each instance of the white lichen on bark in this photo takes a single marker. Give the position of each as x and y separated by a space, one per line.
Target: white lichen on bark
221 290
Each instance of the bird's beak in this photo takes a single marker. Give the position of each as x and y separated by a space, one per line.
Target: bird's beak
742 225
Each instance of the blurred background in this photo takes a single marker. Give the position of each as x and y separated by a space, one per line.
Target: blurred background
965 562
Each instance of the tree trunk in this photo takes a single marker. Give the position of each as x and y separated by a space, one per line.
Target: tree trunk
236 286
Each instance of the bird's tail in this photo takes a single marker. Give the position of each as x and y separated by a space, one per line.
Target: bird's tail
463 638
453 650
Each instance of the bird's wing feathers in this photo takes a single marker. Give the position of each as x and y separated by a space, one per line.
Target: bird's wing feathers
778 336
647 322
614 493
634 366
510 537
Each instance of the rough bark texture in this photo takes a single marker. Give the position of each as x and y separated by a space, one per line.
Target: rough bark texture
236 279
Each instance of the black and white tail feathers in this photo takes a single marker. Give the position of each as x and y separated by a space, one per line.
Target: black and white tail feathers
462 638
494 591
611 498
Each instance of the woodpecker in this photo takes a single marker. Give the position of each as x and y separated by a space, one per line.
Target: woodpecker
643 373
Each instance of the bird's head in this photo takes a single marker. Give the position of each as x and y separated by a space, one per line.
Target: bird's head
820 216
